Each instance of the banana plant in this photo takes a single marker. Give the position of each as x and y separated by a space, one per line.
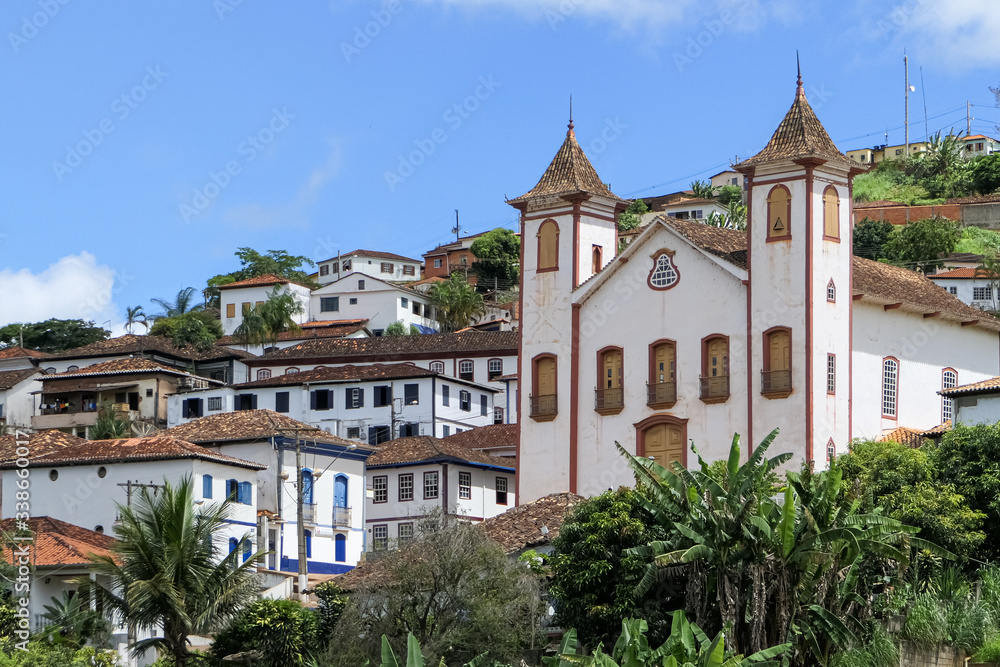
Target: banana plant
414 657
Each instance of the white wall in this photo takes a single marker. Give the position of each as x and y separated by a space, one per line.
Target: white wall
371 266
255 294
964 291
378 302
979 409
18 402
924 347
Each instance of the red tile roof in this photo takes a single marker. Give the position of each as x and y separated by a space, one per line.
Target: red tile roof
940 429
494 436
118 367
258 281
310 330
349 373
570 172
984 387
18 352
57 543
395 348
42 442
378 255
132 450
251 425
964 272
148 345
522 527
10 378
904 436
424 448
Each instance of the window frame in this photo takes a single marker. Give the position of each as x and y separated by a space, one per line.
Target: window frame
836 213
213 401
947 402
535 363
380 543
502 496
497 415
435 485
656 420
376 480
596 258
464 485
469 375
401 539
787 236
669 254
387 267
465 400
230 310
831 291
553 237
400 488
894 415
491 374
263 373
705 343
324 301
653 377
433 366
831 374
766 365
415 398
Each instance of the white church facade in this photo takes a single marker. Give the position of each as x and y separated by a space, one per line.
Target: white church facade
694 333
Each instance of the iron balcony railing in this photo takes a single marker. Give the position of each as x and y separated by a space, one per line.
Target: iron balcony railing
661 393
543 406
342 516
309 512
715 387
775 382
609 399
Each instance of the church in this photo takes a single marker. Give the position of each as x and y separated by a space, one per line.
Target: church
694 333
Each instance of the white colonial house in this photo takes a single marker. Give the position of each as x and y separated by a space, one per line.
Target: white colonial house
971 404
242 295
695 333
18 368
382 265
414 476
353 402
333 472
971 286
359 295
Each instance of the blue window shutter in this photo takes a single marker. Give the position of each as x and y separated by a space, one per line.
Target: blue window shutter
247 550
361 397
312 400
253 401
309 544
206 486
233 543
340 548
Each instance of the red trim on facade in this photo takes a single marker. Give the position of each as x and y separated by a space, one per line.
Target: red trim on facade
600 364
766 344
810 223
652 358
656 420
656 258
520 355
750 396
574 391
850 309
787 179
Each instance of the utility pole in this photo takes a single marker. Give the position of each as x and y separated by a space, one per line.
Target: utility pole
906 103
300 521
456 229
968 118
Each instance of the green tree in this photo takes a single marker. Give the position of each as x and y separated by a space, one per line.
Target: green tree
870 237
451 587
198 328
181 304
278 633
264 324
729 194
968 457
456 303
921 243
631 217
134 315
170 570
254 264
945 173
702 189
110 425
70 621
396 328
903 482
985 173
594 575
52 335
498 259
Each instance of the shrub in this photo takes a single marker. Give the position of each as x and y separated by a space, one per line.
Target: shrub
878 651
282 631
926 623
990 651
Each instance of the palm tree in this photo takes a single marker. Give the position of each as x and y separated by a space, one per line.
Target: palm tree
456 303
702 189
169 571
134 315
182 303
265 323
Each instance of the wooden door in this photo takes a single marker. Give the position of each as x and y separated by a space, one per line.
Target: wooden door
718 357
664 443
546 369
780 351
664 363
612 369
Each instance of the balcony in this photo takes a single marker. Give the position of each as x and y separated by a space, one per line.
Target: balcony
309 512
776 384
342 517
609 401
714 389
543 408
661 395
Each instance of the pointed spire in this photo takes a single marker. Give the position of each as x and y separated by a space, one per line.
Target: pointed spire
570 132
800 90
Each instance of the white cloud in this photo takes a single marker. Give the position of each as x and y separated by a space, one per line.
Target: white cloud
293 214
75 287
959 33
625 13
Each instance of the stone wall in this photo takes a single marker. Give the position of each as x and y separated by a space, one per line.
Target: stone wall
912 655
985 215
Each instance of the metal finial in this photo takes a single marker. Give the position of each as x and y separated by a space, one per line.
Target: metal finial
798 66
570 131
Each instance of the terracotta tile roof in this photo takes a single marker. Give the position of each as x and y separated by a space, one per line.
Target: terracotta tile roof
15 352
10 378
424 448
799 135
131 450
938 430
250 425
964 272
729 244
444 248
132 344
257 281
331 329
494 436
391 348
118 367
904 436
984 387
378 255
57 543
521 527
432 280
349 373
509 376
892 284
975 199
332 323
696 200
569 172
42 442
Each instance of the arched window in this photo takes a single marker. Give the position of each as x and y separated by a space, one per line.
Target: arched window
543 388
264 374
291 370
831 451
494 368
307 487
779 210
548 246
597 259
890 387
437 366
233 544
309 544
340 491
776 378
664 273
466 370
715 368
72 368
609 380
831 214
662 383
662 438
206 486
949 379
831 291
340 548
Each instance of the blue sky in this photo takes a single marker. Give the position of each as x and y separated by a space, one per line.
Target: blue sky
144 143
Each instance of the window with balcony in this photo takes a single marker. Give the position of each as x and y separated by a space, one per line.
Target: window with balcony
662 383
609 399
779 209
465 486
776 378
548 246
714 369
543 400
890 387
831 214
466 370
